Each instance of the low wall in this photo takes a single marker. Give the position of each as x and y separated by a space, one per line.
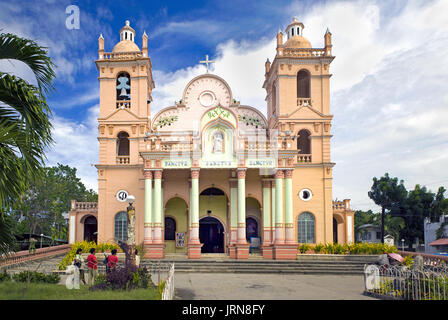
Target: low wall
25 256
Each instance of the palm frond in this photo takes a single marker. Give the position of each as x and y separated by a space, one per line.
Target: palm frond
29 52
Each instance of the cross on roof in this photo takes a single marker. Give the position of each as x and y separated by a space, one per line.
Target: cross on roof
206 61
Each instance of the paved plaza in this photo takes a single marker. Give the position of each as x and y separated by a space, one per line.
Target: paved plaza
232 286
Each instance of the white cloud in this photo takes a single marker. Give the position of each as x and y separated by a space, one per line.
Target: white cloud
76 145
241 64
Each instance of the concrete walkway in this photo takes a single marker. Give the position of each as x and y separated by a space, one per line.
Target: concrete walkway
220 286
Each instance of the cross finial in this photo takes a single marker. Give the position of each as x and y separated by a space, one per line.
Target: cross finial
206 61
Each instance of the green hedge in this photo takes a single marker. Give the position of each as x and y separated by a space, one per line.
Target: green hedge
36 277
353 248
85 246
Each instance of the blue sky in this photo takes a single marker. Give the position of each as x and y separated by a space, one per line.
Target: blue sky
388 89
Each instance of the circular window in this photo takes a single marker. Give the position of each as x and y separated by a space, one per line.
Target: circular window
207 98
305 194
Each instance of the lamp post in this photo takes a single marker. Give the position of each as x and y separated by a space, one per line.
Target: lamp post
41 235
402 244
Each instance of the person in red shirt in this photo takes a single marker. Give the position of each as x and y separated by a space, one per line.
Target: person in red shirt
92 265
112 260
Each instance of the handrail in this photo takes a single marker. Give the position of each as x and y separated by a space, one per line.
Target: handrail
26 255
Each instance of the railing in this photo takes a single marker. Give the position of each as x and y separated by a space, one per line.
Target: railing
303 102
85 206
121 55
338 205
123 104
162 271
303 158
428 259
399 282
25 256
123 159
303 52
168 291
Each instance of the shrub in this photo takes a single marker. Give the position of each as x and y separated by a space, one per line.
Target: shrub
85 247
36 277
124 279
304 248
408 261
4 276
319 248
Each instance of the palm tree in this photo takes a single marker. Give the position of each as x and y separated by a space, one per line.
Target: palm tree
25 128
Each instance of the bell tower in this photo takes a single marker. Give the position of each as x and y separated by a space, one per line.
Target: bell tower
297 84
126 83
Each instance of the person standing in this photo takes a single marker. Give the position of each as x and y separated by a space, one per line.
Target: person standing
92 265
78 263
112 260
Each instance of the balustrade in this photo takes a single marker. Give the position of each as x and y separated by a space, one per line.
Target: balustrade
303 102
123 160
123 104
304 158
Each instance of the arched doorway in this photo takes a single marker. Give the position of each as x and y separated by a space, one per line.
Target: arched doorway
253 223
211 234
251 228
90 229
335 231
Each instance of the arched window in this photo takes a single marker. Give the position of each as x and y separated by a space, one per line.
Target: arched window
304 142
274 97
121 226
170 228
123 144
306 226
303 84
123 86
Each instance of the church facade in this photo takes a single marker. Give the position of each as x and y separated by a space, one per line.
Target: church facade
210 174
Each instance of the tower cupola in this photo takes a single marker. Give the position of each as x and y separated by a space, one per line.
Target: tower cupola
127 33
295 28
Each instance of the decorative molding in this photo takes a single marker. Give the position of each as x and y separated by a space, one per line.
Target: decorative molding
279 174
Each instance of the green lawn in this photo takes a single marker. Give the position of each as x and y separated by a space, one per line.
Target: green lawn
37 291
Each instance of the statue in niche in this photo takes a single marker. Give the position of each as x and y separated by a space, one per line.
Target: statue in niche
218 140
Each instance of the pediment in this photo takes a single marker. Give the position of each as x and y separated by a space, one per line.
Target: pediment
308 112
121 115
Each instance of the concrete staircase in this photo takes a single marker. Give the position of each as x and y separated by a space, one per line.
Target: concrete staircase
305 264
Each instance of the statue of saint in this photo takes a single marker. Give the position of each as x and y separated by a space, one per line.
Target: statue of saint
218 140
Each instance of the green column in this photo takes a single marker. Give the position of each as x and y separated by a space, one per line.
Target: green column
148 202
288 201
273 213
194 207
266 205
278 200
233 207
289 228
158 201
241 238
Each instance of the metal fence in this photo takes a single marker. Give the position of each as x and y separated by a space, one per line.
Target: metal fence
400 282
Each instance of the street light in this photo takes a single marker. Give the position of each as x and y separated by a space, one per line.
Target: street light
41 235
402 244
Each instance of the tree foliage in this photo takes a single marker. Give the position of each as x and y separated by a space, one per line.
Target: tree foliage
387 193
47 198
412 206
25 128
